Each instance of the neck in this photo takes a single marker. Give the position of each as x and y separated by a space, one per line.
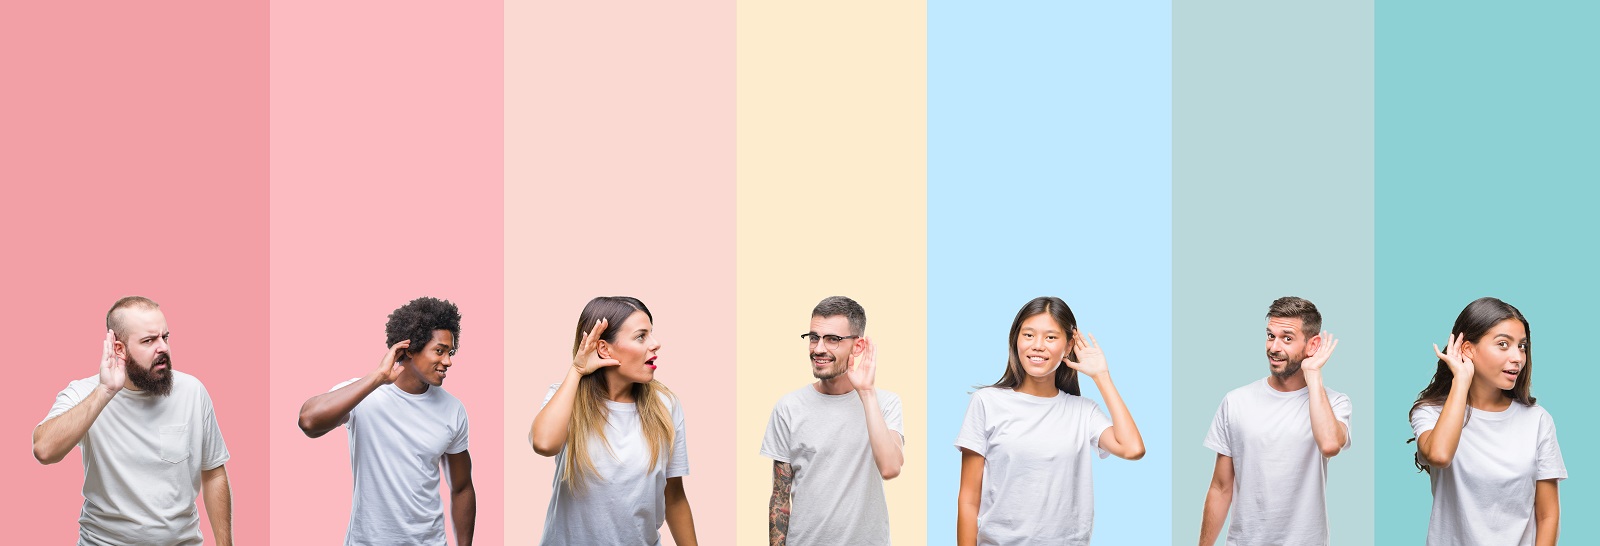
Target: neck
1044 387
1292 383
410 384
838 384
1485 396
617 388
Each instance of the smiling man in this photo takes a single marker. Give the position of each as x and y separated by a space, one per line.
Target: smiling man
1274 437
149 436
828 439
403 425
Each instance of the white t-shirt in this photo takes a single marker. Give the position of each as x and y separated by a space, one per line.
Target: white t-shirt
1280 477
627 503
142 460
1485 496
1038 487
398 441
837 493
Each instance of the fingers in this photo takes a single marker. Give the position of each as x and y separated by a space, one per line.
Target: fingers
1441 355
1089 341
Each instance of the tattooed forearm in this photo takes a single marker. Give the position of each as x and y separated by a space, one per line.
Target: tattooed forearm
778 512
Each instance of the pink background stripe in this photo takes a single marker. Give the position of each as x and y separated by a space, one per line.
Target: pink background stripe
620 181
133 156
386 186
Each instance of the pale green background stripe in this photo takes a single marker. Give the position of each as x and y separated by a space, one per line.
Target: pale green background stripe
1272 196
1486 157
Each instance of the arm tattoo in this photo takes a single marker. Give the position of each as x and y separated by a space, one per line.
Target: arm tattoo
778 512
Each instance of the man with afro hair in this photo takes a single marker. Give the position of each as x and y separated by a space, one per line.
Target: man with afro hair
397 416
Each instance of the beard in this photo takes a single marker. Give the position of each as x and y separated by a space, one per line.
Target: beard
1291 367
833 371
158 383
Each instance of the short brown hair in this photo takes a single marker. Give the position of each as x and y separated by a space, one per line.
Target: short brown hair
1300 308
836 306
114 323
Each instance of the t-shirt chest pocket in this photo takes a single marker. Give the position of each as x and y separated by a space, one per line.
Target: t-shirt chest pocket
174 443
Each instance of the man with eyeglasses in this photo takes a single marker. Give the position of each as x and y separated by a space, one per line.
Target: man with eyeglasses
826 437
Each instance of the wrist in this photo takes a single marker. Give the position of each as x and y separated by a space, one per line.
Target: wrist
108 391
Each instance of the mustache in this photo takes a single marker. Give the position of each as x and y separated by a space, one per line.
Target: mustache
163 358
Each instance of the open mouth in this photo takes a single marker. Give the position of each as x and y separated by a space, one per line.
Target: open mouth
1038 359
1510 374
651 363
821 361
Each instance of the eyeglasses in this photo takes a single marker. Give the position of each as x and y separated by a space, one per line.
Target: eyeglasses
831 340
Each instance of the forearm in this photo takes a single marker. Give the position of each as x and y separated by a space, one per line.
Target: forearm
886 448
549 431
680 520
1129 443
1325 428
778 508
464 513
1438 446
966 525
1216 513
218 496
325 412
1546 512
53 439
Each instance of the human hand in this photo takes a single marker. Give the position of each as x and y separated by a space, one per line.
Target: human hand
1459 364
1091 361
113 368
388 369
588 360
1314 362
862 369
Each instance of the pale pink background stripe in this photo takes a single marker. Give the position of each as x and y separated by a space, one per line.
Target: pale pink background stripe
620 181
386 186
133 157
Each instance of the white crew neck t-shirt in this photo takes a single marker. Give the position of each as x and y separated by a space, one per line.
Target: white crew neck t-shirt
398 441
142 460
1485 496
1038 486
627 503
1280 477
837 494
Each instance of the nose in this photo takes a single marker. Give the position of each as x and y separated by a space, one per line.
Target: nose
161 346
1517 354
446 361
655 344
1275 345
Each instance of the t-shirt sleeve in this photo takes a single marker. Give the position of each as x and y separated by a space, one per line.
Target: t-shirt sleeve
679 465
1551 467
775 445
890 405
1423 418
974 435
213 450
458 443
549 394
1341 413
348 416
1218 439
67 399
1099 423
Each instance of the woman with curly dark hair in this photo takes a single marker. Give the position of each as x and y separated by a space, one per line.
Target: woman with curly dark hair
1490 451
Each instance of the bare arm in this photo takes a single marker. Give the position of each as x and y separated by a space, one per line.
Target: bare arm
1218 498
326 411
970 498
549 431
1124 440
463 498
778 510
1546 512
886 444
1326 429
1438 446
53 439
680 521
218 497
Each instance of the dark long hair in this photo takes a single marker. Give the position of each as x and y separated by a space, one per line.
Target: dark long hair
1474 323
1066 377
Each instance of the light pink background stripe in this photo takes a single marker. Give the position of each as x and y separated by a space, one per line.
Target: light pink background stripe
386 186
620 181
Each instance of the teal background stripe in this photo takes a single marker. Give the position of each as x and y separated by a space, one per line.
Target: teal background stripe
1486 156
1272 196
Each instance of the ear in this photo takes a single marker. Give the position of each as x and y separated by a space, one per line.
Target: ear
1314 345
1469 350
120 349
603 349
859 346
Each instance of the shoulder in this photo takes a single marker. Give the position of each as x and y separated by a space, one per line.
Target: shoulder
182 380
986 395
1426 410
1539 412
1077 402
1247 390
444 397
795 398
1335 395
887 398
667 396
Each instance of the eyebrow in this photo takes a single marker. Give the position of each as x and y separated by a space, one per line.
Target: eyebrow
1285 331
1507 336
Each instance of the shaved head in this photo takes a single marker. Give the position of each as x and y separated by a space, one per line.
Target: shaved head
114 317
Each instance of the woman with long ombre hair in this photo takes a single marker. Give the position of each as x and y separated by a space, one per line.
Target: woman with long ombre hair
617 435
1490 451
1028 439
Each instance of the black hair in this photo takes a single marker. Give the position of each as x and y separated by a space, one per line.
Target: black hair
418 319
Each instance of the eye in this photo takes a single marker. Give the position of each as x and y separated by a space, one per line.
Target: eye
1027 336
1287 339
1051 338
1502 344
835 339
